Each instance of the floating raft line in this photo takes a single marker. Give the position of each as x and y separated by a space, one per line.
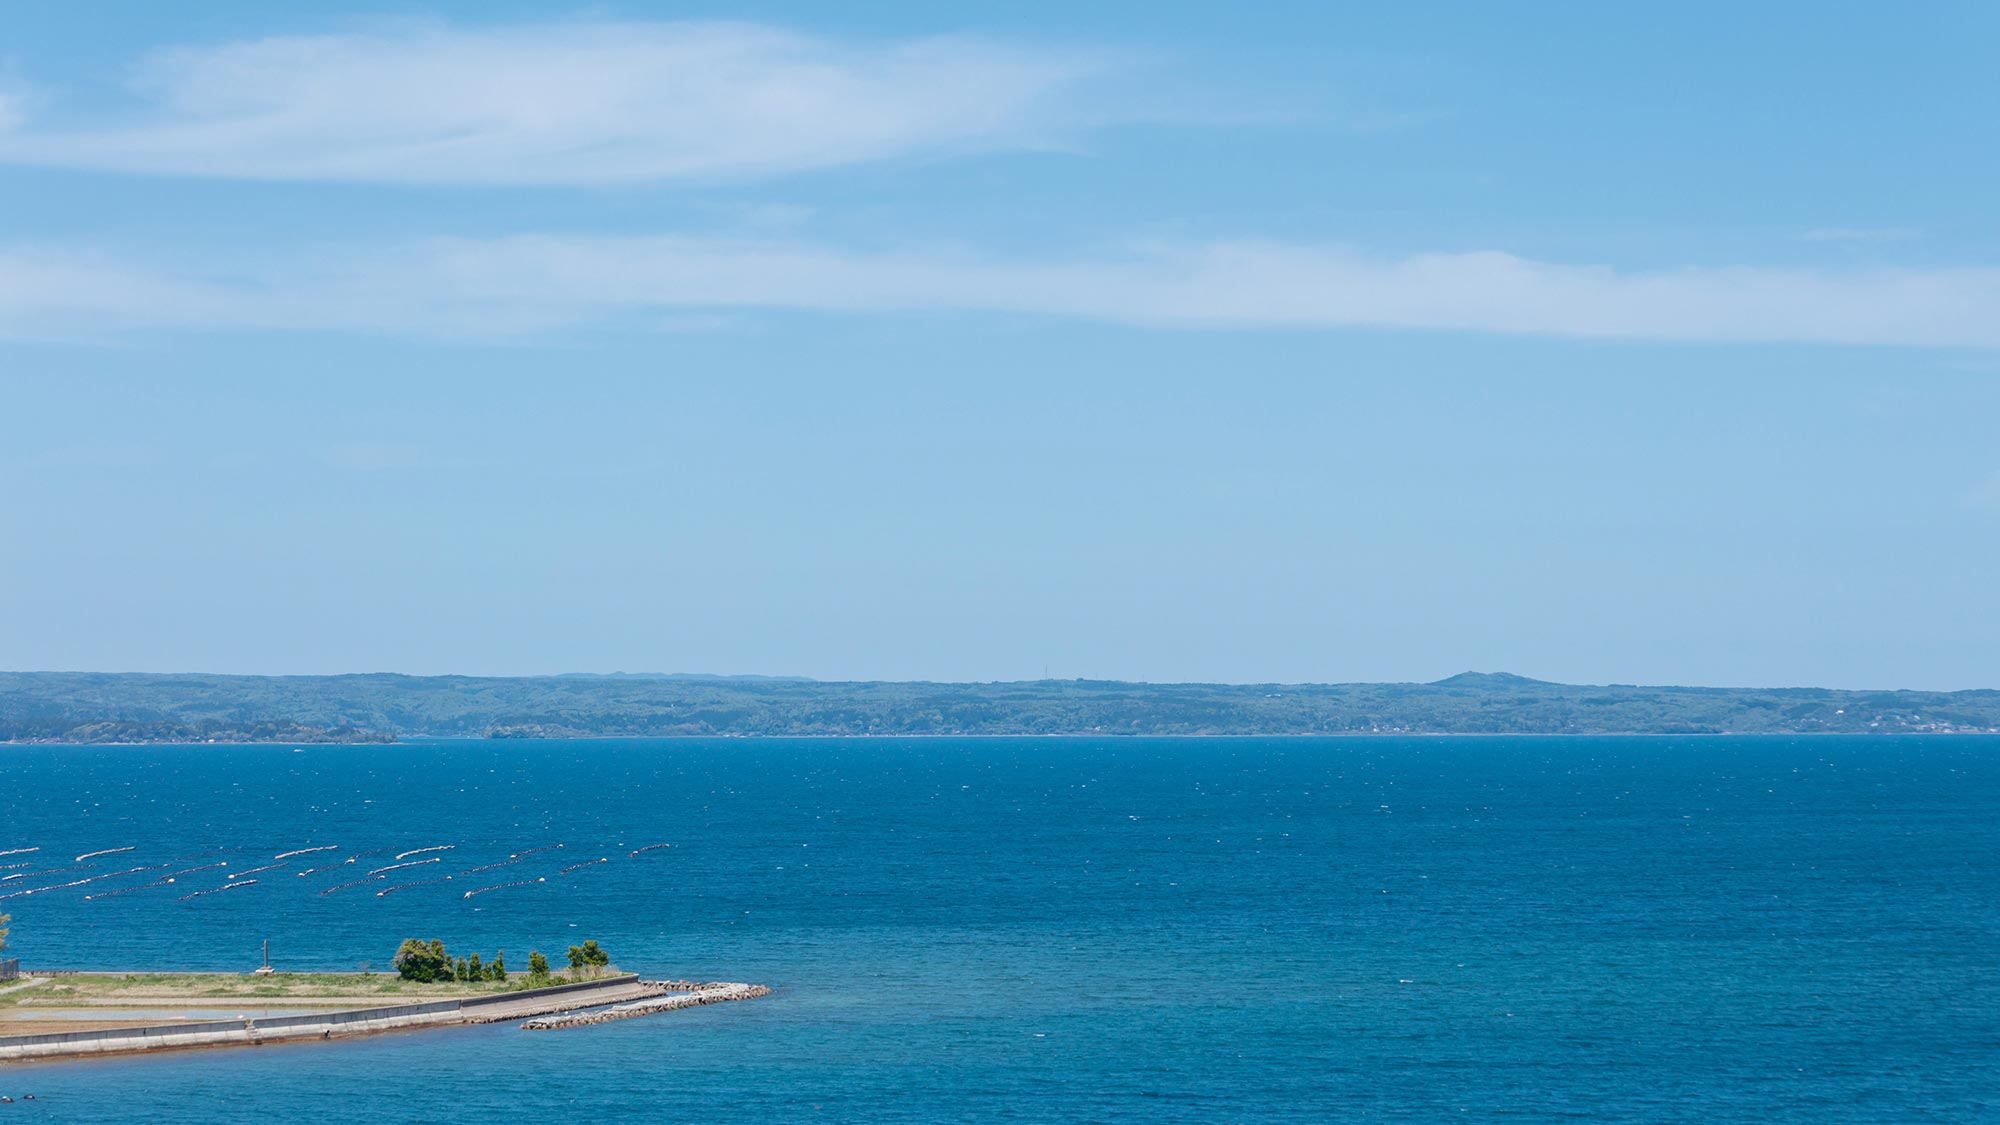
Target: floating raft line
490 866
420 851
307 851
317 870
117 874
33 874
584 864
412 863
649 848
172 875
532 851
159 882
21 851
107 851
152 886
49 871
12 866
504 886
255 870
219 890
76 882
344 886
407 886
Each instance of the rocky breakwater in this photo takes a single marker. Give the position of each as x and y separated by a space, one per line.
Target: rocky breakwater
679 994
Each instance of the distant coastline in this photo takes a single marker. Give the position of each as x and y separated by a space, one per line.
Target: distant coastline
148 708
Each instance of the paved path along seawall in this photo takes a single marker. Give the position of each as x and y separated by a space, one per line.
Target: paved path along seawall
330 1025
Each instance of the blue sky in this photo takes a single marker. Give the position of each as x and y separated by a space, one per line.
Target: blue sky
1134 341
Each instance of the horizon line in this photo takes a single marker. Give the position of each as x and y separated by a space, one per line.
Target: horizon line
1465 678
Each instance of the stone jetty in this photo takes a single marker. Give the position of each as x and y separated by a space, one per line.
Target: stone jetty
677 994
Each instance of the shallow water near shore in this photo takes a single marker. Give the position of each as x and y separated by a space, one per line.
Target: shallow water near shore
1199 930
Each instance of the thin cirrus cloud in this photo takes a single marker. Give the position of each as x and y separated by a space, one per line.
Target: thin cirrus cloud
578 103
507 287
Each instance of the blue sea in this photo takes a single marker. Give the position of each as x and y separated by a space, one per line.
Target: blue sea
1043 930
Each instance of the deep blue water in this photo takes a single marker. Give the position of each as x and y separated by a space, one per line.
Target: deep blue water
1647 929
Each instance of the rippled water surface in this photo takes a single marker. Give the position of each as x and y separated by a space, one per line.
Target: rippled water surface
1042 930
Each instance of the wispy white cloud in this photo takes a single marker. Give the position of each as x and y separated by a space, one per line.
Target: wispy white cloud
48 291
13 107
508 286
563 103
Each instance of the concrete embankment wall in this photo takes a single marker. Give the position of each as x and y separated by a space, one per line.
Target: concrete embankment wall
321 1025
555 998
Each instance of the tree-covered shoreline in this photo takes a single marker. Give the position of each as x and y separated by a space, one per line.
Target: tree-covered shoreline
84 707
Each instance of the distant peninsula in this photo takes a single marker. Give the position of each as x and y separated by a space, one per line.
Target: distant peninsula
88 707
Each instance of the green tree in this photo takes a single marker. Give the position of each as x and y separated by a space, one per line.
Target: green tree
587 957
422 961
475 969
4 919
459 972
498 969
538 965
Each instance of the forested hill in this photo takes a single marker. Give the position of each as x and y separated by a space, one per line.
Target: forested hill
95 707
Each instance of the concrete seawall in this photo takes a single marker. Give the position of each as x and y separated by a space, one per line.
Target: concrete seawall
328 1025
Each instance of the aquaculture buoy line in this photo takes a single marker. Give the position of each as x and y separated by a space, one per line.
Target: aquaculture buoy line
46 871
124 891
219 890
504 886
490 866
412 863
255 870
172 875
407 886
79 882
127 871
159 882
246 877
